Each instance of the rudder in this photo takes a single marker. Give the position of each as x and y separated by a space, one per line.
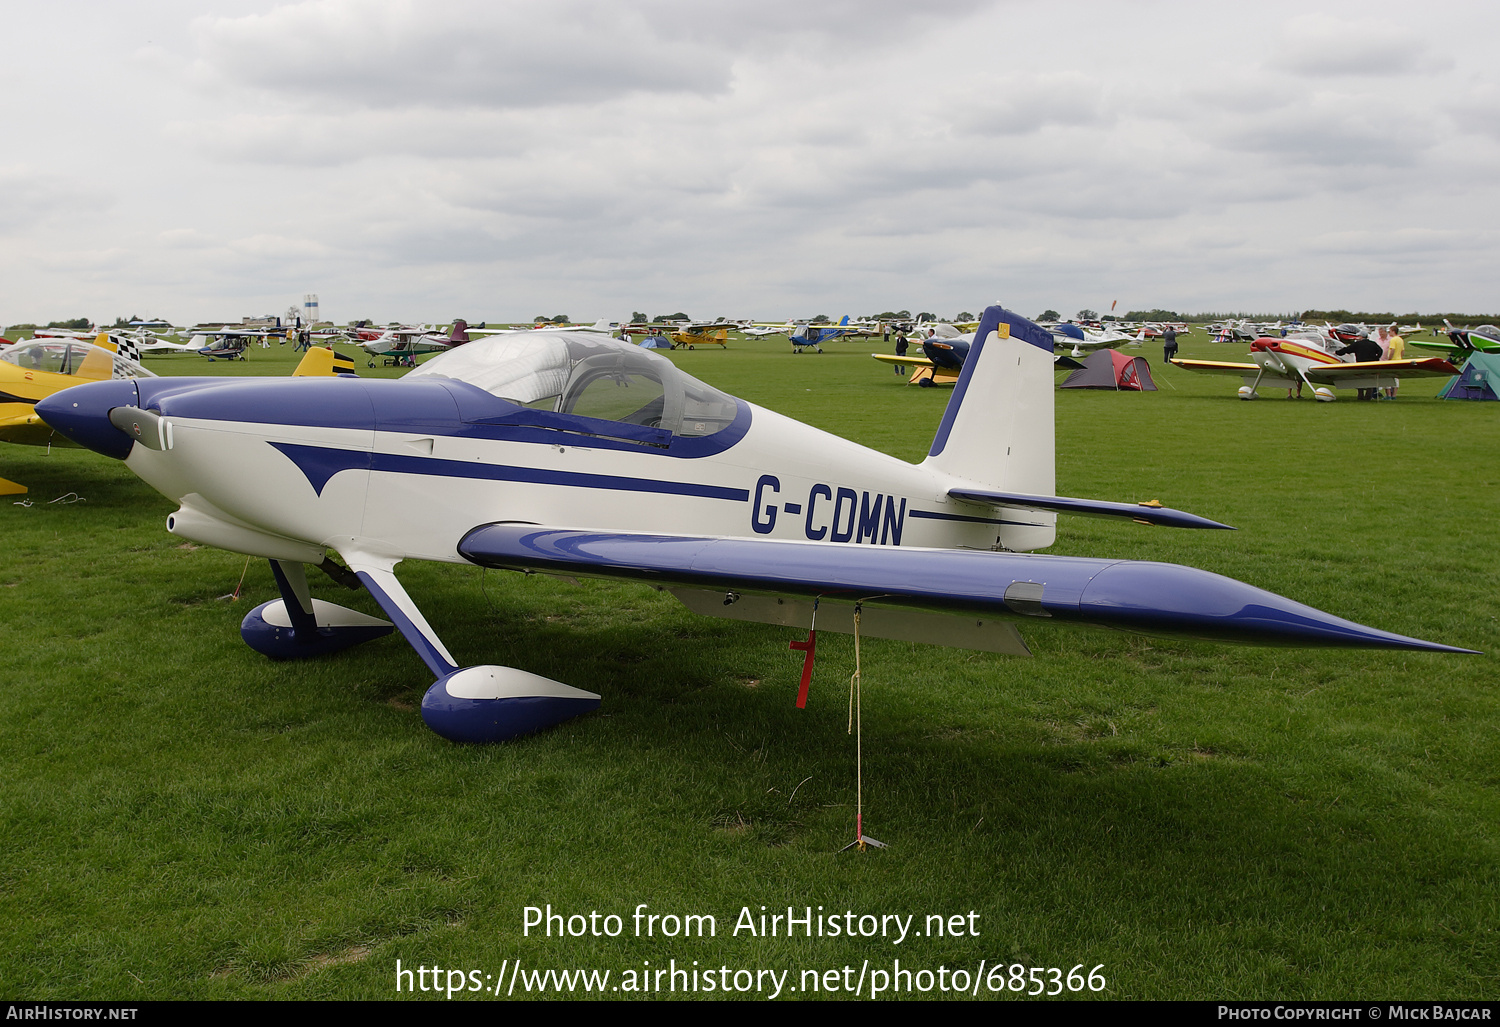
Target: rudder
998 429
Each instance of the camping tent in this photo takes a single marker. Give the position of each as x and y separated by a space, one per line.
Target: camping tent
1477 380
1110 369
655 342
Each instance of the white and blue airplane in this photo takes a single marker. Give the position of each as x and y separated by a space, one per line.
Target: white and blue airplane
578 454
811 336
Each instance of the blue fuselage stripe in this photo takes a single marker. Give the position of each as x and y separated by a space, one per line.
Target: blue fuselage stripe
322 462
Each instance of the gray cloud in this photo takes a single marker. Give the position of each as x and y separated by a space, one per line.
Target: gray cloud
1319 45
477 53
31 197
747 158
1021 104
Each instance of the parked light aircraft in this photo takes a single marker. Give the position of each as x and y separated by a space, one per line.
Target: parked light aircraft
1085 340
602 327
403 345
579 454
34 370
31 371
686 334
83 334
701 333
229 343
767 328
1462 341
141 341
815 334
945 352
1312 360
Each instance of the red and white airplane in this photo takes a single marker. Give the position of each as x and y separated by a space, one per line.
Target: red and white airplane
1313 360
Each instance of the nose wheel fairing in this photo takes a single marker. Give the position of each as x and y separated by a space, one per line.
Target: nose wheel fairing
297 626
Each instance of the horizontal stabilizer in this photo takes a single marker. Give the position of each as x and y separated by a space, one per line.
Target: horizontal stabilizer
1150 513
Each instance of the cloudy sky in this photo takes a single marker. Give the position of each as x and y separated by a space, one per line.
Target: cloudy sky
497 160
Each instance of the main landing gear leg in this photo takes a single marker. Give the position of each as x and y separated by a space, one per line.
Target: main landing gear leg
472 704
297 625
1252 394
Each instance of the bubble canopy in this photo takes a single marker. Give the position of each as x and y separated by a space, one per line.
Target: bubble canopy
72 357
587 376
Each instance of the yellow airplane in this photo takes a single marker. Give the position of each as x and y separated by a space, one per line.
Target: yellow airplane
924 371
33 370
702 334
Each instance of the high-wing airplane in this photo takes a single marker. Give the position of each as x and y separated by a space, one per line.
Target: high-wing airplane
815 334
579 454
230 343
32 371
1312 360
691 336
684 334
403 345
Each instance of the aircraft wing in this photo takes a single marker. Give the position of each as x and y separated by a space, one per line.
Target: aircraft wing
1428 367
1217 367
891 358
1140 596
1445 345
26 428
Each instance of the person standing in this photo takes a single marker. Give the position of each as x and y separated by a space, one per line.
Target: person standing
1365 350
1395 350
1169 343
901 347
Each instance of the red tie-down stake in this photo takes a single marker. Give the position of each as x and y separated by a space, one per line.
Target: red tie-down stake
810 647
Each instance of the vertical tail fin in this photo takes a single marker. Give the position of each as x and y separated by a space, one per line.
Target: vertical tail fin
997 432
460 333
323 361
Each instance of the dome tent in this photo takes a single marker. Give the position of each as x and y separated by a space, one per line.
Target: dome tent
1111 369
1476 380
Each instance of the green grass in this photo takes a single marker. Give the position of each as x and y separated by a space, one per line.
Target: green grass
180 817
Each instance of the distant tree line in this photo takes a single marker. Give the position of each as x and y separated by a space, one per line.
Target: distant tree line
1464 320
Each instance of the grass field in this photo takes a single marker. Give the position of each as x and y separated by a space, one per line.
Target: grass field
180 817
